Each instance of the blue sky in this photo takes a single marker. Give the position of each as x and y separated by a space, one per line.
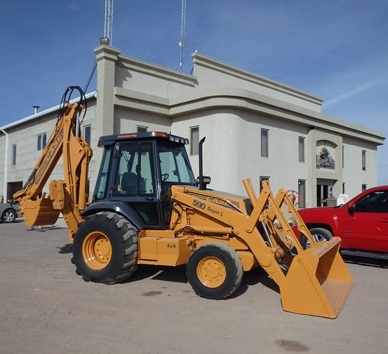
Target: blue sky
334 49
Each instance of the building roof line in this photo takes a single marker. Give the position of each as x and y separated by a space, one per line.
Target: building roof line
44 112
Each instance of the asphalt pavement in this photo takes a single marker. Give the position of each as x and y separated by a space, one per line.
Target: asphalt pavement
46 308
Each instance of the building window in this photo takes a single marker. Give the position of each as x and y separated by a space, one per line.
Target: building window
343 156
263 178
41 141
141 129
301 149
302 193
363 160
13 154
363 187
194 140
264 143
87 133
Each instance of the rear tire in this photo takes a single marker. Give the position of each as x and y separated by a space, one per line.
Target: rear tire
105 248
319 234
214 271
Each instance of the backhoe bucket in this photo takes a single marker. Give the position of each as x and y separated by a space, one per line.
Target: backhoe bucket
39 212
318 281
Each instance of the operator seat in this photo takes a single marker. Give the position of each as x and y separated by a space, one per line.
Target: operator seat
129 182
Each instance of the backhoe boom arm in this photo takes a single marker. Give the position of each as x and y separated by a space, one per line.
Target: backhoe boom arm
68 196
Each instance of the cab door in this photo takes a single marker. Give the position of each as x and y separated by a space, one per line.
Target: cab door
135 180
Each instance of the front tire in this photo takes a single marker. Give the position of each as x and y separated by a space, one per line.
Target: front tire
319 234
105 248
9 215
214 271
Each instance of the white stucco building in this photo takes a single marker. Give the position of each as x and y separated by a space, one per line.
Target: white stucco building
254 127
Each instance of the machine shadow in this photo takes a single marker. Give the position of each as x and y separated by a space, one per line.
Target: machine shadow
178 275
254 277
168 274
65 249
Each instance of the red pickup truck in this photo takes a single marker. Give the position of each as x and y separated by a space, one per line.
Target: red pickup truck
361 223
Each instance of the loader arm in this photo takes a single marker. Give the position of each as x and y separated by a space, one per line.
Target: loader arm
67 196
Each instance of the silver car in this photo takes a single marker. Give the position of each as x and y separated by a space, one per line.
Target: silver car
8 212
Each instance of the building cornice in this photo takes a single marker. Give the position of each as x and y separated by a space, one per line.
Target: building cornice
246 100
201 60
156 71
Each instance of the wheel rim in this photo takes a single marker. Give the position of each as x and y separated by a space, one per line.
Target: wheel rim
8 216
211 272
316 238
97 250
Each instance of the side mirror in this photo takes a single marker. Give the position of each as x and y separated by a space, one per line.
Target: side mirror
351 209
203 181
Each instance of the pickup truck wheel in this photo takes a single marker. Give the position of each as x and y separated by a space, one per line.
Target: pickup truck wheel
319 234
9 215
214 271
105 248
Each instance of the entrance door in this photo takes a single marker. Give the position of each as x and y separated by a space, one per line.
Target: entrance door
13 187
324 190
322 194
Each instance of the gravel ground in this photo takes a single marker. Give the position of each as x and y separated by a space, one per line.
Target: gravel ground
46 308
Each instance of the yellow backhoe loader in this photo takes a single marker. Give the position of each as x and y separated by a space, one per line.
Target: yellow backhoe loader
148 208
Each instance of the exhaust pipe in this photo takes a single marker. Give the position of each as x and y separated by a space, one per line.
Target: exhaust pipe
202 180
202 185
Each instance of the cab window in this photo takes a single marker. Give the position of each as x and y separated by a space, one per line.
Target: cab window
134 171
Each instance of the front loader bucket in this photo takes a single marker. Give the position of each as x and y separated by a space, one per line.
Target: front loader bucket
39 212
317 282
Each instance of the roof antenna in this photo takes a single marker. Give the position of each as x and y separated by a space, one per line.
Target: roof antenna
183 35
108 24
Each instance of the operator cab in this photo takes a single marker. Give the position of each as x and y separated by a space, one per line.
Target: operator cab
138 169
